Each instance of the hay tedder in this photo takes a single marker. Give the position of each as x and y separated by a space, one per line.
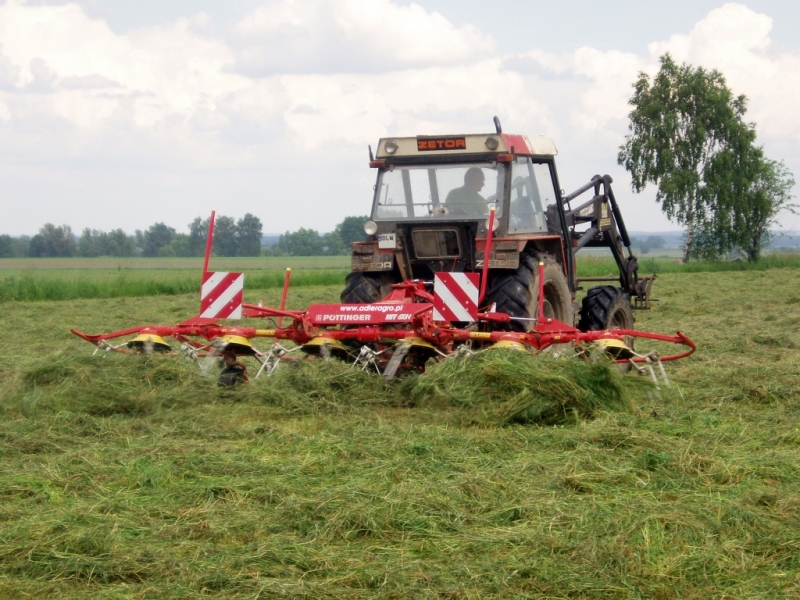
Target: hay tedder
445 270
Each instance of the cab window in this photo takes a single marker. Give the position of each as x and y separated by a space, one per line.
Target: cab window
532 193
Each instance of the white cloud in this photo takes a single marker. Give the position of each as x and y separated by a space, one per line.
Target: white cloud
598 87
165 71
76 97
732 39
409 34
347 36
356 108
733 34
735 40
172 81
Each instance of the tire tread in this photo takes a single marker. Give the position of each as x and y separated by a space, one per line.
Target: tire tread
600 304
360 289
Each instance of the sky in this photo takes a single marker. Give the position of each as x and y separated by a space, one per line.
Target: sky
121 114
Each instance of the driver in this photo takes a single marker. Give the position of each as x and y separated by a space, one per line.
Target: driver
468 194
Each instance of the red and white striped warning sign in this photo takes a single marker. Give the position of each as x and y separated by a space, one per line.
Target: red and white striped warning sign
221 295
455 297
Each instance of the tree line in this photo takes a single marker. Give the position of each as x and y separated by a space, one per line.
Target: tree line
652 242
231 238
309 242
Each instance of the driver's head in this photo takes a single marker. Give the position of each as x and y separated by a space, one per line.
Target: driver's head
474 178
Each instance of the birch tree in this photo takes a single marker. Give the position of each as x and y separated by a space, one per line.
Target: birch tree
750 191
680 122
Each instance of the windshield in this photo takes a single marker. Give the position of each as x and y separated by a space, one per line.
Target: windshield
532 193
432 192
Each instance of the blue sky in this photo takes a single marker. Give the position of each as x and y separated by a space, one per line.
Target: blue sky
121 114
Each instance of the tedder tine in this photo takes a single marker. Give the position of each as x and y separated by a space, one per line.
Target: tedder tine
215 350
272 359
367 358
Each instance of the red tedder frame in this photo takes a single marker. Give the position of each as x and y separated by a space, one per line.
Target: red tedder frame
406 312
209 242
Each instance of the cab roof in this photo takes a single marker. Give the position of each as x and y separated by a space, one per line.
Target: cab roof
466 144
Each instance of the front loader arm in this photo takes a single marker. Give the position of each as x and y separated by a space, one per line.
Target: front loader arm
607 229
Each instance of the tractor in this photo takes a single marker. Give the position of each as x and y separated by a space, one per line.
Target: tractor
430 214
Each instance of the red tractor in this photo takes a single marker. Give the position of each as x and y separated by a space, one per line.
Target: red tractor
430 213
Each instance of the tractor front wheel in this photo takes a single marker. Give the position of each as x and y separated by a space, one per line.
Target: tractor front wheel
606 307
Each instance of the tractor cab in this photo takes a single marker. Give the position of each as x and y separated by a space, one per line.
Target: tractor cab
434 194
520 188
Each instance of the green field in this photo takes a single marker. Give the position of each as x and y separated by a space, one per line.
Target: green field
246 263
124 477
75 278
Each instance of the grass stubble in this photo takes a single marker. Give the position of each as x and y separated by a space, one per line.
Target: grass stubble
501 476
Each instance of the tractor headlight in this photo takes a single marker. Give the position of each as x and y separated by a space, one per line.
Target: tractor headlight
492 143
495 225
390 147
370 227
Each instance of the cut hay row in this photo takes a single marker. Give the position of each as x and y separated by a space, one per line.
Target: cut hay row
494 387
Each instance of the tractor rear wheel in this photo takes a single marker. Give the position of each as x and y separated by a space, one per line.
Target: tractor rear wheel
606 307
516 293
366 288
